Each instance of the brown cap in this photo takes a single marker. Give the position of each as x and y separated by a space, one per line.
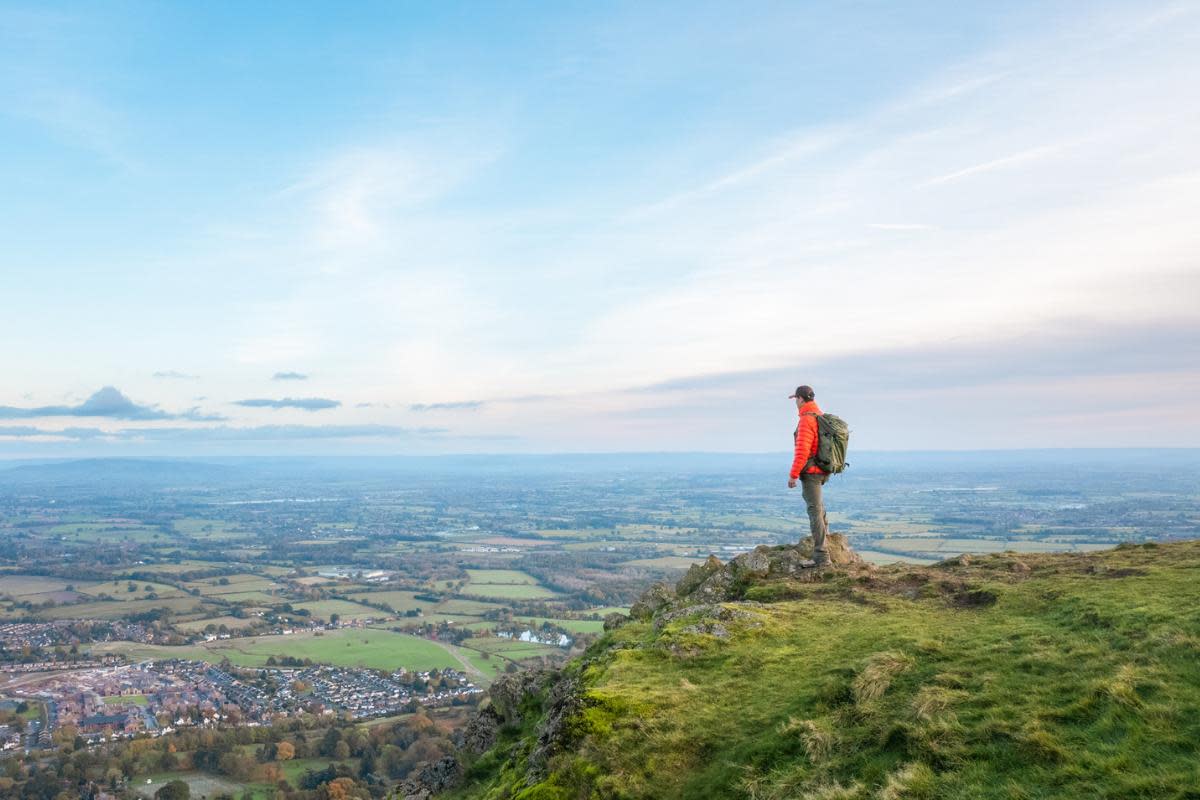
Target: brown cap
804 393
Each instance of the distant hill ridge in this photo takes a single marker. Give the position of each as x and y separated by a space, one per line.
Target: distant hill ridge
113 470
1001 676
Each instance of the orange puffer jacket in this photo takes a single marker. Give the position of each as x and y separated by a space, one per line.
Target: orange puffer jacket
806 441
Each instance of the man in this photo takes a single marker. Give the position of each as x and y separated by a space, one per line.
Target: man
811 477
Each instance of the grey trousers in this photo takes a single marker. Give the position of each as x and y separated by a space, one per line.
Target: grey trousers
817 523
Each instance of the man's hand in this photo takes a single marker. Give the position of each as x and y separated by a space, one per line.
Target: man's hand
791 483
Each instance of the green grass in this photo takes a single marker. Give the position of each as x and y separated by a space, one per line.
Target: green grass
501 576
398 600
198 625
115 609
507 591
201 784
119 589
134 699
234 584
323 609
369 647
1081 680
665 562
294 770
19 586
575 625
208 529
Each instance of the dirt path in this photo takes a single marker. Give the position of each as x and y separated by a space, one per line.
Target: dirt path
470 668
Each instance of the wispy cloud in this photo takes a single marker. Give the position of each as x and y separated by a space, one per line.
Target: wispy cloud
289 376
460 405
171 374
107 402
279 433
1015 159
28 431
305 403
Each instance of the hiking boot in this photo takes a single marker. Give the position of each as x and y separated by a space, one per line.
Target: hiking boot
821 563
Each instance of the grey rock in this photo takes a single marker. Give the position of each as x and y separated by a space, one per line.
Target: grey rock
756 563
614 620
481 731
429 778
508 692
696 575
554 733
653 600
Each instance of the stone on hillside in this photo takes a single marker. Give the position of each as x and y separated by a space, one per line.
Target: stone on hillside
555 733
614 620
431 778
480 733
756 563
839 550
706 611
508 692
718 587
696 575
653 600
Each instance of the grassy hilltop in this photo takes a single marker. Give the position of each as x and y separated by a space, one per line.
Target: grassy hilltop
1064 676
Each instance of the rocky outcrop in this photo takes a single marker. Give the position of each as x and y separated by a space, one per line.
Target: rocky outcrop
509 694
481 731
554 732
713 582
430 778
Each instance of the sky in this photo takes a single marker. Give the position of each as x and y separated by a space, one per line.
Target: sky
375 228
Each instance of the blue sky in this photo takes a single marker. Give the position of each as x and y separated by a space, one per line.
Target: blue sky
420 228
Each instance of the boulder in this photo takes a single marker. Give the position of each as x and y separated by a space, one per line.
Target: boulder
653 600
508 693
555 732
838 547
614 620
755 564
720 586
481 731
430 778
696 575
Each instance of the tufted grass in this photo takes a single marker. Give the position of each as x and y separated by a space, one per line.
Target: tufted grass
1079 678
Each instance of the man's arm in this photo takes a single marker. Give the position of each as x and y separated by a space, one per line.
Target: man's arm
804 442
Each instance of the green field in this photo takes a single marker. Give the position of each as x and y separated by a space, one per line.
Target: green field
19 586
511 576
294 770
323 609
509 591
214 529
575 625
201 784
198 625
877 557
510 648
370 647
119 589
115 609
400 601
665 562
606 610
472 608
245 582
128 699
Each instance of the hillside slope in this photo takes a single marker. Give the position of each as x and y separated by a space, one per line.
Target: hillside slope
996 677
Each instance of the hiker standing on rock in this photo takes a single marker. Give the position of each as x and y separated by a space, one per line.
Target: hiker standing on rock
805 469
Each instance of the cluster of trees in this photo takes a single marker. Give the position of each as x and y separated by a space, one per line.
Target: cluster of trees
363 762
